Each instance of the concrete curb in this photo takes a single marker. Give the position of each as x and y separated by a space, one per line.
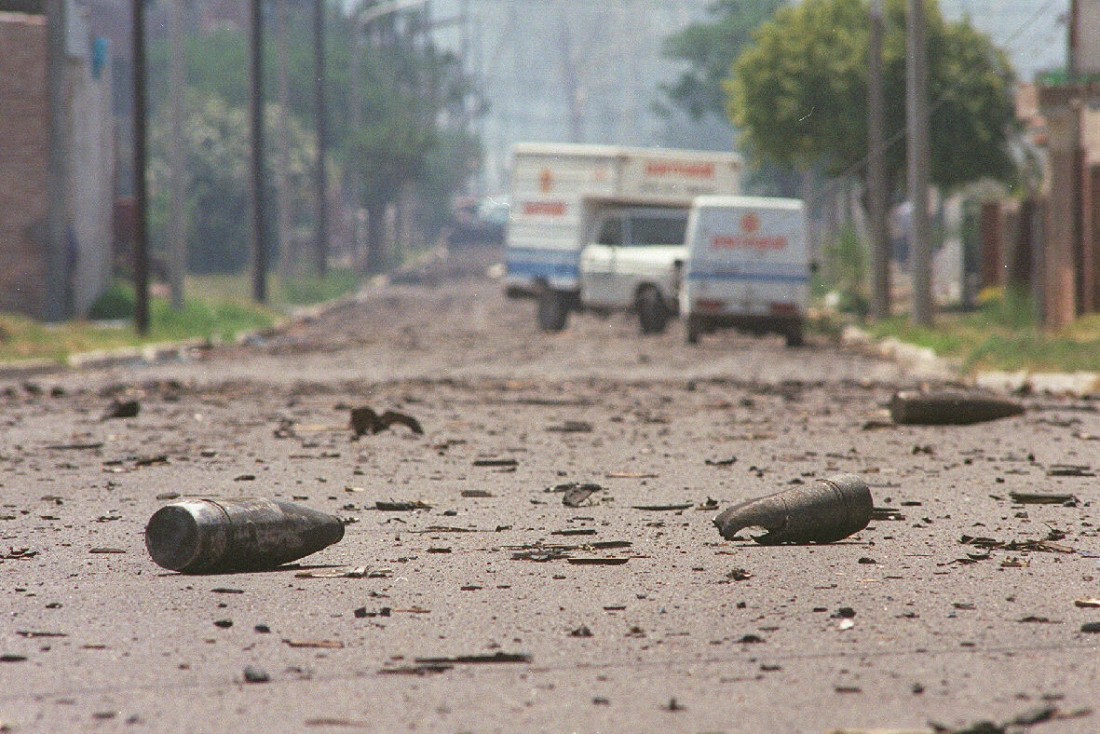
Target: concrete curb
151 354
922 363
145 355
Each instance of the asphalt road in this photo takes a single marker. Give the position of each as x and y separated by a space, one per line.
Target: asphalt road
618 615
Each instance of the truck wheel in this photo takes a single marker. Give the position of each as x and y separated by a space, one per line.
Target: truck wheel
652 314
692 329
794 336
553 311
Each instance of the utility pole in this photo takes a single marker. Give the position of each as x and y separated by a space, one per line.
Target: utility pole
282 175
321 245
177 238
57 213
141 232
256 115
876 171
917 162
574 102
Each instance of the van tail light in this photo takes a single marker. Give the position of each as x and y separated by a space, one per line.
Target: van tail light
708 305
783 309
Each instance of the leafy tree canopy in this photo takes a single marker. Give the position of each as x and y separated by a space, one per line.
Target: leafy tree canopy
216 144
799 93
710 49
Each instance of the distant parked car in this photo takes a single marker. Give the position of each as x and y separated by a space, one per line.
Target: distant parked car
478 223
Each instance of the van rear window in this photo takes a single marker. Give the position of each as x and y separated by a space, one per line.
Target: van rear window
658 230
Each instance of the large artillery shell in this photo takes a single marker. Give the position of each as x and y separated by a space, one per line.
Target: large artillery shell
823 512
203 536
950 407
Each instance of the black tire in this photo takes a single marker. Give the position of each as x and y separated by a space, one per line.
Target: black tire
553 310
652 314
692 329
794 336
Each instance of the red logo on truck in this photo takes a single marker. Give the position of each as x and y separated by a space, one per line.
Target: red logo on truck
747 238
544 208
679 169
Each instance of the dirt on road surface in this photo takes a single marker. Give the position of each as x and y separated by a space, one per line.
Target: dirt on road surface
490 604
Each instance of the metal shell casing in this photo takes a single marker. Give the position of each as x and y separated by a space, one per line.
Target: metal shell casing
826 511
204 536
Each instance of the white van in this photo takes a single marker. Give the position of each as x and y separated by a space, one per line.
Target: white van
748 267
632 262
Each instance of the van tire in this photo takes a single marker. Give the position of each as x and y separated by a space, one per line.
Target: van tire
691 328
553 310
794 336
652 314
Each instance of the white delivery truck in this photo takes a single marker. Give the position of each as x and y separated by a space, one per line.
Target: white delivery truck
558 189
748 266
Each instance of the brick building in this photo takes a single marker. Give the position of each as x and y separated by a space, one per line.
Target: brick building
24 154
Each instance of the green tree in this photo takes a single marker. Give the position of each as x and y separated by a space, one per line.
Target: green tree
387 157
405 88
799 92
217 149
710 48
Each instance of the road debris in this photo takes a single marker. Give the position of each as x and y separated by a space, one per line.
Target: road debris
1046 545
254 674
391 506
826 511
1070 470
204 536
89 446
420 669
576 495
365 420
122 409
597 561
495 462
1043 498
358 572
494 658
721 462
18 554
950 407
315 644
664 508
886 513
571 427
1016 725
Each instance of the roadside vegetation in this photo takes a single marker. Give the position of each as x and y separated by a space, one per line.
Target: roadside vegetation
1003 332
218 308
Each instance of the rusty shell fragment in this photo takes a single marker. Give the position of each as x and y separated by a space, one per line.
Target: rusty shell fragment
204 536
950 407
823 512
